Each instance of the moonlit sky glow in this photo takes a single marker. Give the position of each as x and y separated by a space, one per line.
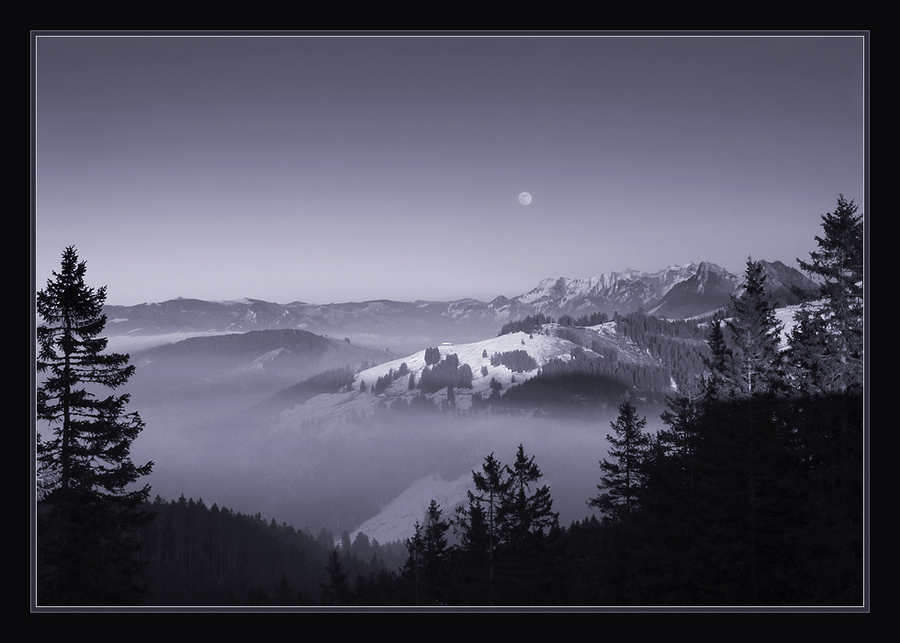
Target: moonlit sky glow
326 168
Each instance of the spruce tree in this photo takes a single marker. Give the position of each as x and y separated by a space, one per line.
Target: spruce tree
526 518
435 553
491 487
756 334
826 356
412 568
623 475
721 377
432 356
425 571
472 556
827 340
87 522
681 440
743 451
527 510
337 590
621 500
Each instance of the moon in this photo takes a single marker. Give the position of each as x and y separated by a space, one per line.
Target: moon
525 198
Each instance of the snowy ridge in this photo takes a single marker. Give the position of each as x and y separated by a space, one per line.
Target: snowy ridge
330 408
626 290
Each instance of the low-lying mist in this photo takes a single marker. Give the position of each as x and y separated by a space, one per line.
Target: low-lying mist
230 450
217 429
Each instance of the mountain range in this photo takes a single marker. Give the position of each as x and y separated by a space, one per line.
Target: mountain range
676 292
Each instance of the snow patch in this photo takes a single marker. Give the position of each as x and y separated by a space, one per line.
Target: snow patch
397 520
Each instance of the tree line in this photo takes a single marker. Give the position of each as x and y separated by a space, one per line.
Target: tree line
532 323
192 554
679 345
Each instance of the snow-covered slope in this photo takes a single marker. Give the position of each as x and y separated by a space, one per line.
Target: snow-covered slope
397 520
552 342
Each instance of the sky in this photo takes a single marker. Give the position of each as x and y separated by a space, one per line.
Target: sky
330 168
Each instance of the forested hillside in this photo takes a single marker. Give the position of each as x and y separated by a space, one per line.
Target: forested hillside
602 371
196 555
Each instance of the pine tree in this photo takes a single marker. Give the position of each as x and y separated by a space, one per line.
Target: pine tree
742 470
472 554
719 364
526 513
526 518
87 524
621 499
412 568
827 340
432 356
491 487
756 333
435 553
826 356
681 440
337 590
624 473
